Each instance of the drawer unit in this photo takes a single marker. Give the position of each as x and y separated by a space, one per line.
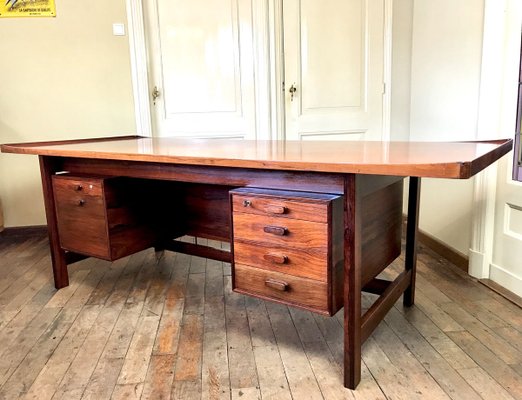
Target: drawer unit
95 217
287 247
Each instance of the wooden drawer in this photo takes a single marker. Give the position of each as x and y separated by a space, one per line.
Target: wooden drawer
93 218
283 288
303 263
299 243
282 207
293 233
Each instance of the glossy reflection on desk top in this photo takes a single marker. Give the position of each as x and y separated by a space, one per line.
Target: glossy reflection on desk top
424 159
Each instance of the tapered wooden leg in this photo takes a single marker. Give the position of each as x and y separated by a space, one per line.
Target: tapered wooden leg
352 283
412 229
48 166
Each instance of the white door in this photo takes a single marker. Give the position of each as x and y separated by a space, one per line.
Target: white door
506 268
201 62
504 73
334 69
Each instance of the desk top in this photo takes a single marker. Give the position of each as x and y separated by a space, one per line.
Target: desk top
423 159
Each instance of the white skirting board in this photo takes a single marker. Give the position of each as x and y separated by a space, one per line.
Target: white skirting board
507 279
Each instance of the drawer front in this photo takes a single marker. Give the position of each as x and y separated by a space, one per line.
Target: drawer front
281 287
69 186
286 232
306 264
280 207
81 216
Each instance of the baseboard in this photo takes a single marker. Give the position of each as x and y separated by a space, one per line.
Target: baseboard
455 257
512 297
24 231
510 282
460 260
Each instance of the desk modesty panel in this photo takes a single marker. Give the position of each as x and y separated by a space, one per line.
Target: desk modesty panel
310 224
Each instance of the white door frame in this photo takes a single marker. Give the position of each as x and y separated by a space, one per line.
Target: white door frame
494 84
269 73
139 69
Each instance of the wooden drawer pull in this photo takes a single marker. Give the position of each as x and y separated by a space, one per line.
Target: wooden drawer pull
277 285
276 258
275 230
276 209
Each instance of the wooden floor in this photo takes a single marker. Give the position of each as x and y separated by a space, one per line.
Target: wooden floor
160 326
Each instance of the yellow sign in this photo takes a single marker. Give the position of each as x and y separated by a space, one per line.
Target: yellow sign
27 8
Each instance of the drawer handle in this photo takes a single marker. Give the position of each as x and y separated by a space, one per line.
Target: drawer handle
277 285
276 209
247 203
78 188
275 230
81 203
276 258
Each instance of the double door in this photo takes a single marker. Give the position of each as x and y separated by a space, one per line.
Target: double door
212 74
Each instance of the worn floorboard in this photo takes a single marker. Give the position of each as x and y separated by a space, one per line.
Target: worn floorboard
167 326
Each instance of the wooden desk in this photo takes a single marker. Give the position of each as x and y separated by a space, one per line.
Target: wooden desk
311 224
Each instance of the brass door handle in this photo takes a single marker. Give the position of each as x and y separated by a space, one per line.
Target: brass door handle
155 94
292 91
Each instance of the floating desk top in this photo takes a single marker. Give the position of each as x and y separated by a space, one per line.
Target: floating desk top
422 159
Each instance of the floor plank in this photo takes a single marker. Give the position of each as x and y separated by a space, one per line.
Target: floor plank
48 379
161 325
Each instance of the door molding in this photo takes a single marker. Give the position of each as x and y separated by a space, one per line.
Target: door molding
485 184
387 73
493 116
262 68
277 95
139 71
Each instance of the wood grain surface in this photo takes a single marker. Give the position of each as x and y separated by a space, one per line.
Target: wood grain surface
422 159
460 340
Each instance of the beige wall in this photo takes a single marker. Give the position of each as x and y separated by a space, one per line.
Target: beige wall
445 82
63 77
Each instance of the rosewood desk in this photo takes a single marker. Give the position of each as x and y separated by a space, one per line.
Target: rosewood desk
311 224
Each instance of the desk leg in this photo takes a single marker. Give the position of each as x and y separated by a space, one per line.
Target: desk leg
412 228
48 166
352 283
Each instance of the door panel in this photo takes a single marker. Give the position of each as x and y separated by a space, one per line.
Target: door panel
202 63
334 57
322 48
506 268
